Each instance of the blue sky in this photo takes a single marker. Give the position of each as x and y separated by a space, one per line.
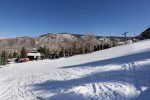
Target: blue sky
102 17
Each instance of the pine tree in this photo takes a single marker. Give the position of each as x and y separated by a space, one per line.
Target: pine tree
44 50
40 49
23 53
15 54
10 56
4 58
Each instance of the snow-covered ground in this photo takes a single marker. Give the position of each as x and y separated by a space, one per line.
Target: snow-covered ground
118 73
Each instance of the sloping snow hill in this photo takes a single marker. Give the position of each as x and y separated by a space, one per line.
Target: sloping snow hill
119 73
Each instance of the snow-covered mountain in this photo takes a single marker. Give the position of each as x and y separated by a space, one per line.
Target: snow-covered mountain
118 73
50 40
53 41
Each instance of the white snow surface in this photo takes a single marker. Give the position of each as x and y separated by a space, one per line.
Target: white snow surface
119 73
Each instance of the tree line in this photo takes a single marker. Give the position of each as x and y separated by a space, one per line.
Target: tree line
4 56
86 44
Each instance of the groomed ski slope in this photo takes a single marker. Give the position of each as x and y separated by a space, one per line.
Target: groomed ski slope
119 73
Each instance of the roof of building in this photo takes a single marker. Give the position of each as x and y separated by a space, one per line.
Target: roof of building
33 54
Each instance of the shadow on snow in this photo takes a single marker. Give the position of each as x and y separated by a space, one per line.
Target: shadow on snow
139 76
118 60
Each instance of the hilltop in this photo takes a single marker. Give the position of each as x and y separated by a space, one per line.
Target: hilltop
145 34
52 41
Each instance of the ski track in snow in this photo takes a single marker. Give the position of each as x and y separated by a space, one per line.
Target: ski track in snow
84 82
19 87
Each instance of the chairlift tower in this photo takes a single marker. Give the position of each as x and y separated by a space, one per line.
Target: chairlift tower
125 36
